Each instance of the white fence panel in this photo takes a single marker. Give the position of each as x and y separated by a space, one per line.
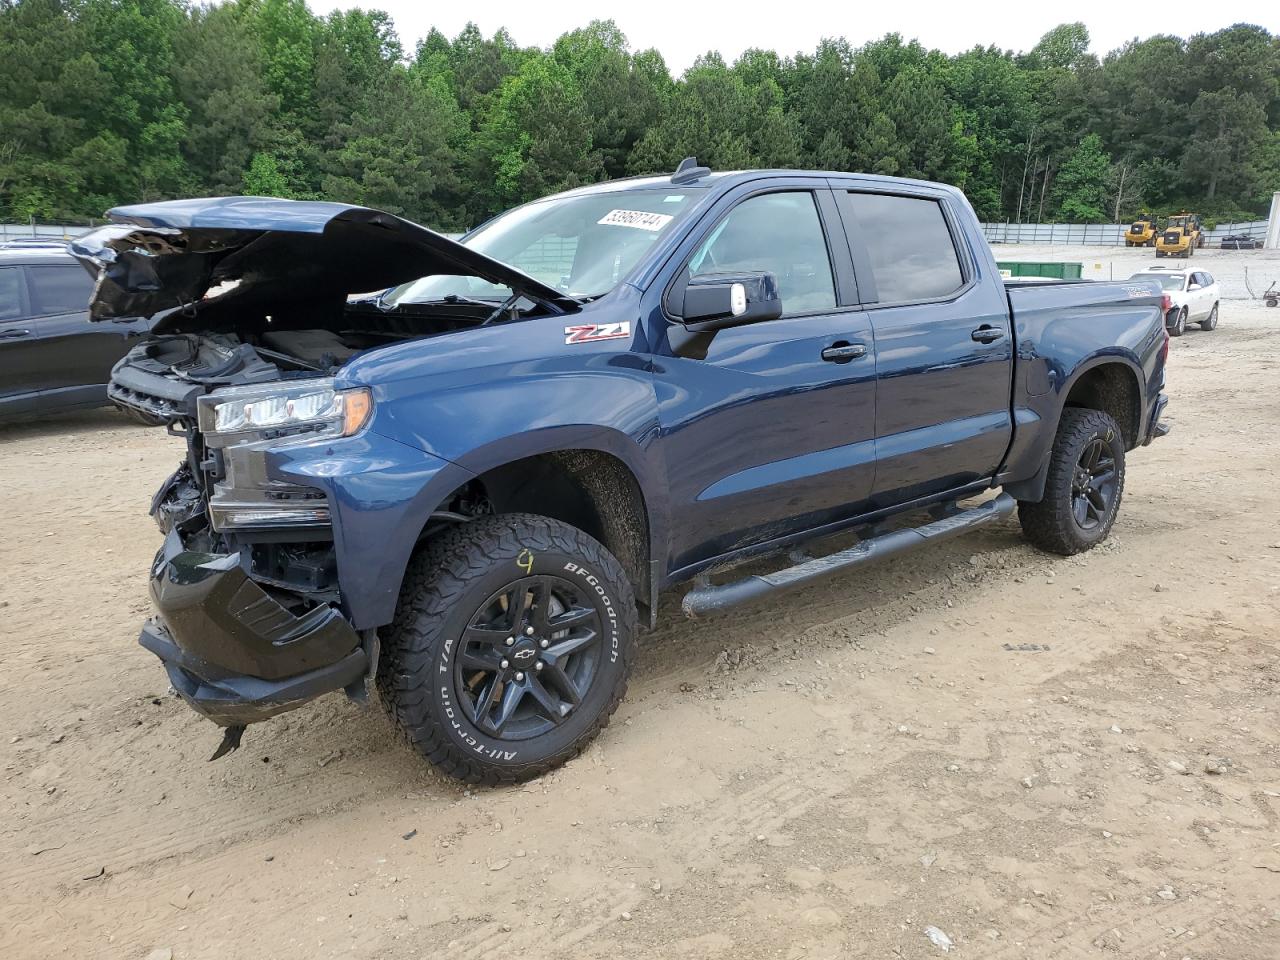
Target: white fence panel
1103 234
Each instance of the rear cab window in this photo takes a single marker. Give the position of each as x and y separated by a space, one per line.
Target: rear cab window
909 244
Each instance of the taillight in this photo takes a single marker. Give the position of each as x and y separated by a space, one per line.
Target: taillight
1166 304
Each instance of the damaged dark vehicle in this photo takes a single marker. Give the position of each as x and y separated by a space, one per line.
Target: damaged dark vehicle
465 470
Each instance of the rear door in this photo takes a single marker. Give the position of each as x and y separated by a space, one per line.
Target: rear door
944 352
772 431
18 382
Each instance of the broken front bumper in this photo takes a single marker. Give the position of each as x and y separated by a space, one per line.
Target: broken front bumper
232 650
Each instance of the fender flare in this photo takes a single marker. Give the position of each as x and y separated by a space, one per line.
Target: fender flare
1032 489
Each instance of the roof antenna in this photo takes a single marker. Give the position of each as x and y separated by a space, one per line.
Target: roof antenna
688 171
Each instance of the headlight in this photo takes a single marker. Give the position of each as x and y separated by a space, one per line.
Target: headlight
282 408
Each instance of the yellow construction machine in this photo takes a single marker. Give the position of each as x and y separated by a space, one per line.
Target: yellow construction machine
1142 233
1180 237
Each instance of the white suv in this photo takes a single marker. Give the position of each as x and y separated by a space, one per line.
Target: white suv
1192 293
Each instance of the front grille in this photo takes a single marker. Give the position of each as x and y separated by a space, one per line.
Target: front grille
1172 237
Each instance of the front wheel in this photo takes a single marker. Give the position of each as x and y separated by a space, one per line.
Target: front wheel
1179 325
1211 321
510 647
1084 487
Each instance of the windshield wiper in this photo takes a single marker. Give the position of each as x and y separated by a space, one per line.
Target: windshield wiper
452 299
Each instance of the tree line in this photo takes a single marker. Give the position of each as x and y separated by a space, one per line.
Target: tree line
104 102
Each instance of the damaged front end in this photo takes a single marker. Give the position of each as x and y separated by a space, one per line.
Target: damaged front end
255 315
245 587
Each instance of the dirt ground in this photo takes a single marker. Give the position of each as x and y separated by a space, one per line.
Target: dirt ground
1040 757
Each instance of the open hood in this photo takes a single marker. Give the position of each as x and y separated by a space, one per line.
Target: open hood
198 263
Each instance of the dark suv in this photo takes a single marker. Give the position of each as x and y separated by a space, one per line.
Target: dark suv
51 357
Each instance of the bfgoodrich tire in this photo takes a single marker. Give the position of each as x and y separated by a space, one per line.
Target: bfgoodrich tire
1084 488
510 649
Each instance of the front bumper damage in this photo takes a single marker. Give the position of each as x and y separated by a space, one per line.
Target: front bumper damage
232 650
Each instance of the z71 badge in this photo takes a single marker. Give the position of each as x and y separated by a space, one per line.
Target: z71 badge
590 332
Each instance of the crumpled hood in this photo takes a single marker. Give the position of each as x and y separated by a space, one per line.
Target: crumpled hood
197 260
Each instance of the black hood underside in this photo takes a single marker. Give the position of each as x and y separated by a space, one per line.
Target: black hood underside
226 263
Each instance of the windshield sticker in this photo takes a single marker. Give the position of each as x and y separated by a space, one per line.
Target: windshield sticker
640 219
591 332
673 198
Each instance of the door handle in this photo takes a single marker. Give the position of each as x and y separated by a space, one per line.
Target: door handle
14 334
844 352
987 334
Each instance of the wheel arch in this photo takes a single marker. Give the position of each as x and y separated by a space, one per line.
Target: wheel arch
1110 383
595 487
1114 386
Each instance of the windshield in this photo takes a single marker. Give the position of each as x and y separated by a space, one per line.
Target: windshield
579 245
1169 282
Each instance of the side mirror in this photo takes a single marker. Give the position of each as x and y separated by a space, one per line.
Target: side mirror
1193 286
717 301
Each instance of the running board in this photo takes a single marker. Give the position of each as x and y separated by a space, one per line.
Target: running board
708 598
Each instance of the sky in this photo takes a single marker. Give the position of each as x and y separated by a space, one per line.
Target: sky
683 30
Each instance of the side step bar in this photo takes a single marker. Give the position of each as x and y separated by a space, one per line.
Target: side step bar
707 598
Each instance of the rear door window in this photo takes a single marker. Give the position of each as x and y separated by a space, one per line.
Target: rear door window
913 256
10 294
56 290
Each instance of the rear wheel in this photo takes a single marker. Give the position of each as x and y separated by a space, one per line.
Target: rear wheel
1211 321
1084 487
510 648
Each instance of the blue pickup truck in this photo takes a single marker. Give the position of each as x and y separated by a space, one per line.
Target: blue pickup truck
466 470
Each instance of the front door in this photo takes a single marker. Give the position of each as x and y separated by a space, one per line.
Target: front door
772 431
1201 298
944 351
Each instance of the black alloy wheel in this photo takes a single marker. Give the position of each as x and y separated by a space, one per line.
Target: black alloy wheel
1093 488
510 648
528 657
1083 488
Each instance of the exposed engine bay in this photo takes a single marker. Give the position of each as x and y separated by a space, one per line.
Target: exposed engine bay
284 350
233 397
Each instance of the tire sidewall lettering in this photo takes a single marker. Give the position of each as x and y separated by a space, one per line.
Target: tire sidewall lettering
452 716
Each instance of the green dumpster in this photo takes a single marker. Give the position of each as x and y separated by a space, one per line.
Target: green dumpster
1056 271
